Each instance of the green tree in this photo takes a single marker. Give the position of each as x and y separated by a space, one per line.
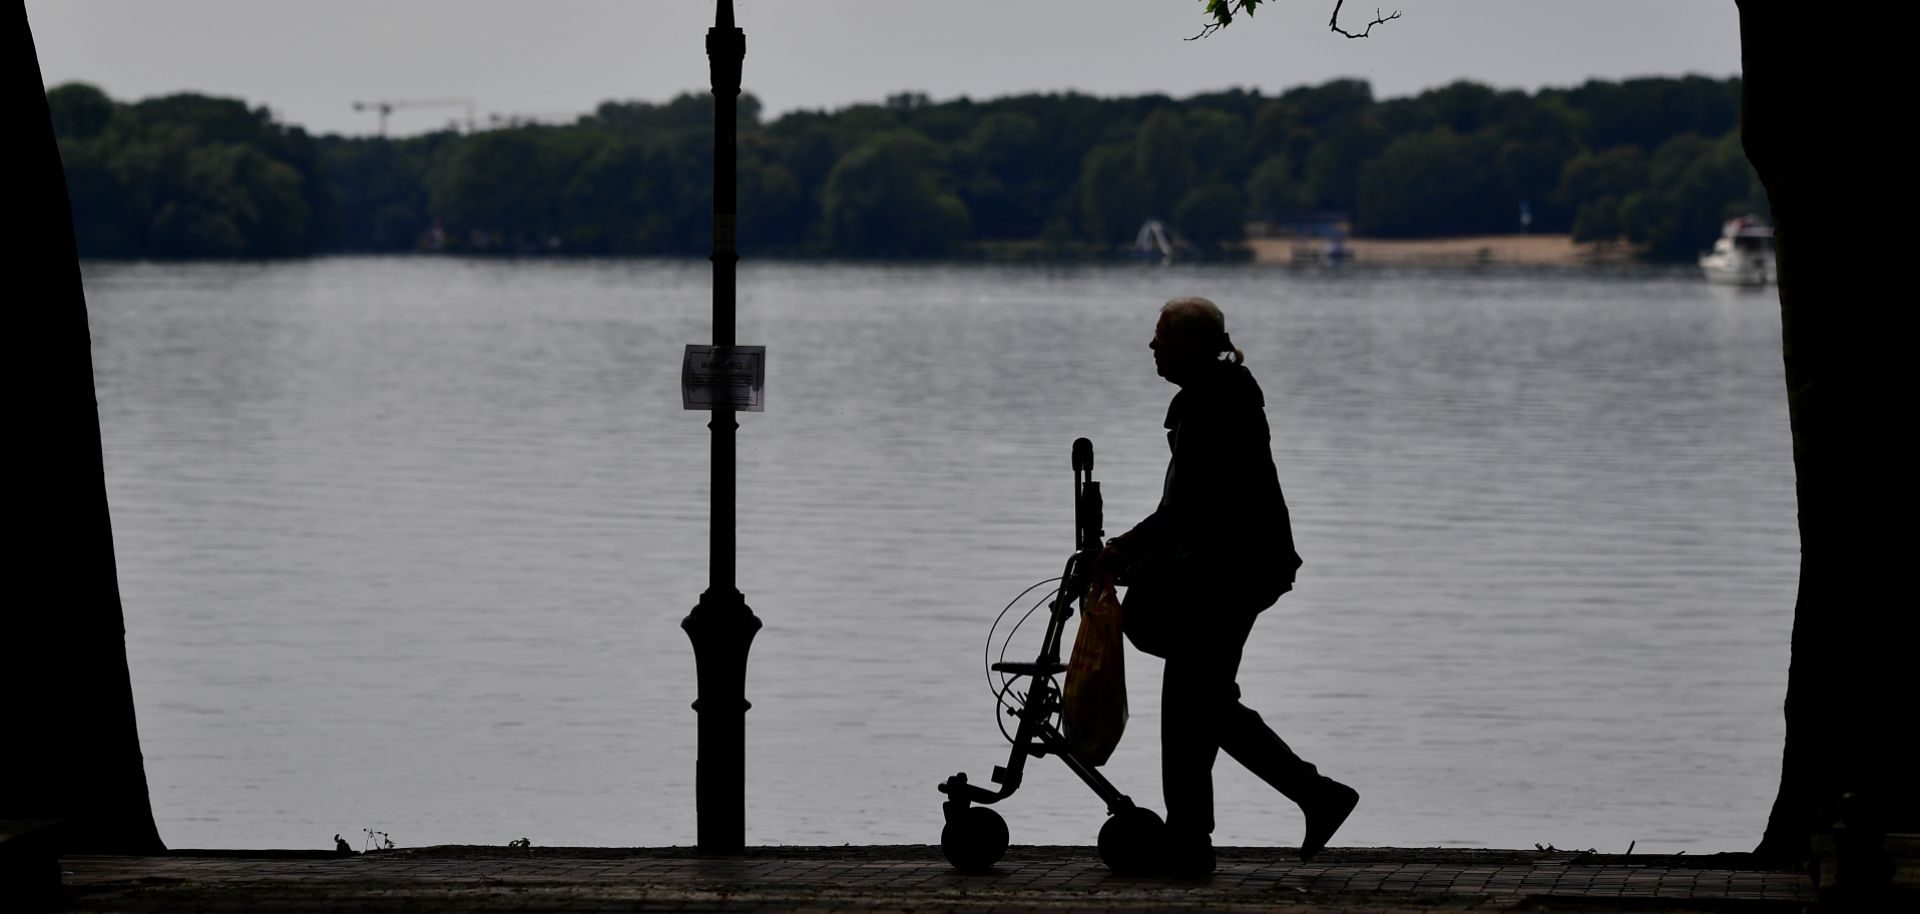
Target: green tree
1211 216
187 175
621 201
686 111
80 111
1694 184
1612 172
263 199
1278 130
886 198
1006 144
1221 147
1163 161
1112 201
633 177
1332 168
379 190
507 189
1005 193
1598 220
108 218
1433 183
1274 189
853 126
1537 139
1596 185
187 229
1645 112
774 206
1462 106
807 149
1325 106
234 202
482 185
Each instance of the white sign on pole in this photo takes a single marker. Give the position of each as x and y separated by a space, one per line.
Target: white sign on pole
724 377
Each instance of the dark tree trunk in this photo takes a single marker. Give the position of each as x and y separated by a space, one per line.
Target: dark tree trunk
71 749
1820 135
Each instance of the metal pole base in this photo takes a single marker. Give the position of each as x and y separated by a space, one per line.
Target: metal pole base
722 629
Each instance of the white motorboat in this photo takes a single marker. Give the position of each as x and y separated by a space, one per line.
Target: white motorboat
1743 255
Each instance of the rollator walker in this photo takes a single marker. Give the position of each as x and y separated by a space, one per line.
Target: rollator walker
975 836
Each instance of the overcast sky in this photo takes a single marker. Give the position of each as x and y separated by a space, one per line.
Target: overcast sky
310 60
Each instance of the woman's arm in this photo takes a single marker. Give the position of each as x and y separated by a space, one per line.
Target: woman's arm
1206 470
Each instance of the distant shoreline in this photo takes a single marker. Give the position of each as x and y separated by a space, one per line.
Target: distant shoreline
1473 250
1465 250
1531 250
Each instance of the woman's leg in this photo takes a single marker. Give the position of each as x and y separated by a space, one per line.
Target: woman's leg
1199 701
1248 740
1201 714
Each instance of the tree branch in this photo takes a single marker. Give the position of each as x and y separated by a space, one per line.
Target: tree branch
1223 12
1334 23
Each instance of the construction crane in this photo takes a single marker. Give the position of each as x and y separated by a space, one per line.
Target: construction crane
384 108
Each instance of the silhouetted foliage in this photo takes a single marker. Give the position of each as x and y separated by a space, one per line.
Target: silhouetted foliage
1427 183
1594 184
1648 160
1211 215
889 197
1694 184
1163 161
1112 202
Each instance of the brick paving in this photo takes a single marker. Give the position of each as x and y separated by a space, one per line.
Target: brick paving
866 879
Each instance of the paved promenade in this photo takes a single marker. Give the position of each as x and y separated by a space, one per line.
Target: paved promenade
910 878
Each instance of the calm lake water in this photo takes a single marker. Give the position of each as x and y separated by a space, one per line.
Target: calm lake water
405 544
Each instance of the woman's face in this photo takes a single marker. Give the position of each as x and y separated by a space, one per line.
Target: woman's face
1173 354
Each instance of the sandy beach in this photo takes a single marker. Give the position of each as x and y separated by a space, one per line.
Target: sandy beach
1538 250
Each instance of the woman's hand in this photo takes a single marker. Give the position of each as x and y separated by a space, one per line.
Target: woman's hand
1112 558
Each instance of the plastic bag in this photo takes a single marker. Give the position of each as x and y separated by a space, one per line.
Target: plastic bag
1093 710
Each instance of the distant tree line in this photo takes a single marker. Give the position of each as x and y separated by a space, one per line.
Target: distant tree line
1655 162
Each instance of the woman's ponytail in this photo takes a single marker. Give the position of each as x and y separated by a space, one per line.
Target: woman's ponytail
1226 345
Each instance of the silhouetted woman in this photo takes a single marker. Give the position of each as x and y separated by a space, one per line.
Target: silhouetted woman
1217 551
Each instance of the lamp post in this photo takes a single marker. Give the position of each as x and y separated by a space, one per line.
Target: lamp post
722 626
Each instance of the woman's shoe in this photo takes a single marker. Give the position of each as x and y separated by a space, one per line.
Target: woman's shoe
1325 814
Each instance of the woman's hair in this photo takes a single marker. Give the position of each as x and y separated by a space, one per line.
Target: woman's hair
1198 319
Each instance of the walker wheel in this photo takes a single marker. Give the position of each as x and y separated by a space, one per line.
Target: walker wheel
1130 841
975 840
